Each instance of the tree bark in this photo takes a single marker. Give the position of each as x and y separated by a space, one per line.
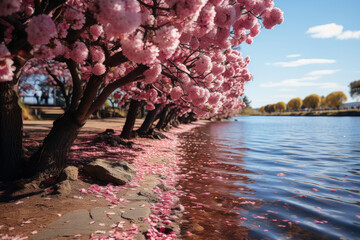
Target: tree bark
10 132
162 117
50 158
130 119
149 120
169 117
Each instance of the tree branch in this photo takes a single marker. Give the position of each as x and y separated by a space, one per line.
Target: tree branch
130 77
76 79
116 59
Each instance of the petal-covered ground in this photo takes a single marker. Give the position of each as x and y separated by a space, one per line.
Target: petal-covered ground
157 167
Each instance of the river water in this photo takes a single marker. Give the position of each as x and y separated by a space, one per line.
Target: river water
272 177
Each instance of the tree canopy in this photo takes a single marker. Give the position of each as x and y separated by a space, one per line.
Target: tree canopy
178 53
280 107
312 101
295 104
335 99
355 88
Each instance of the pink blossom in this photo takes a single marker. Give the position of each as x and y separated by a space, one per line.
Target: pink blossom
205 22
203 64
150 106
118 16
217 69
214 98
272 17
99 69
198 95
152 95
6 65
246 21
59 48
97 54
187 8
249 40
8 7
254 31
176 93
79 52
153 73
95 31
135 50
62 29
194 43
75 17
225 15
41 29
167 37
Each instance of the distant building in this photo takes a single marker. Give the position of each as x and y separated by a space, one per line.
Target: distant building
352 105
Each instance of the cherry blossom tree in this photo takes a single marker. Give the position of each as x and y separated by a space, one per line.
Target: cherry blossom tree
181 48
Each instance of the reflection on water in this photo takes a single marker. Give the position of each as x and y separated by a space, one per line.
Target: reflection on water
272 178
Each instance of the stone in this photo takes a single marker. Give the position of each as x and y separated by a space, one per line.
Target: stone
137 211
106 215
69 173
198 228
118 173
64 187
70 224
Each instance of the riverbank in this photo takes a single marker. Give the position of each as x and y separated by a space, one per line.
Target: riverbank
145 207
329 113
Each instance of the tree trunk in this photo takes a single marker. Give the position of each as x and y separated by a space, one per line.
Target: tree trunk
169 117
130 119
149 120
162 117
50 159
10 133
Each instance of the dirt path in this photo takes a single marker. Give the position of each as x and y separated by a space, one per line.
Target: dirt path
146 206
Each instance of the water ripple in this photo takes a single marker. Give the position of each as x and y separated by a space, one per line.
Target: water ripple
274 178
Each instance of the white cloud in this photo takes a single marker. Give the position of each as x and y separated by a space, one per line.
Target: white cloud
323 72
325 31
303 61
293 55
349 35
332 30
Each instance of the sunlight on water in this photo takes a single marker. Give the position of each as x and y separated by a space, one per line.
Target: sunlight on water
273 178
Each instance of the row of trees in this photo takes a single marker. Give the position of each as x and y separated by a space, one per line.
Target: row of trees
176 57
335 99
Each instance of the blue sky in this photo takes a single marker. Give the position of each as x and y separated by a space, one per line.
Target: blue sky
315 50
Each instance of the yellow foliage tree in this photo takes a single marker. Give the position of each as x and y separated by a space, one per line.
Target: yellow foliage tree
295 104
312 101
335 99
280 107
262 109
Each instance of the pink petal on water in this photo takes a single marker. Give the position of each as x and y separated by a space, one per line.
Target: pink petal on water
314 189
281 174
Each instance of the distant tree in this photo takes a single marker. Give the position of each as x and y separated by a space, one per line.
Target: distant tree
295 104
272 108
262 109
246 101
280 107
312 101
355 88
335 99
267 108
